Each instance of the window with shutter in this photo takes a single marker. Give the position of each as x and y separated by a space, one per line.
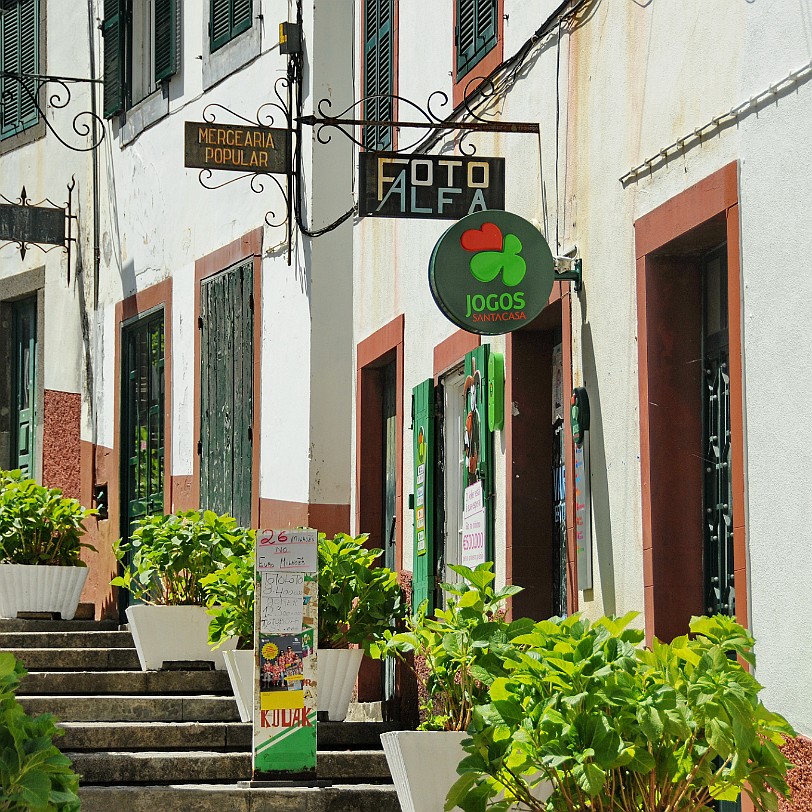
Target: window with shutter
379 76
19 54
141 49
227 19
476 33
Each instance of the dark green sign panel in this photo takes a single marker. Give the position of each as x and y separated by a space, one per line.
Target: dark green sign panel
491 273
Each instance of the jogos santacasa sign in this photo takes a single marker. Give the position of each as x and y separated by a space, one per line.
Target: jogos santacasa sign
491 273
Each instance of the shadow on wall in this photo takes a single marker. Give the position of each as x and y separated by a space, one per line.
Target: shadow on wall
602 516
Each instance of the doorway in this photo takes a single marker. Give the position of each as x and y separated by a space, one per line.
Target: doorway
24 385
227 392
142 422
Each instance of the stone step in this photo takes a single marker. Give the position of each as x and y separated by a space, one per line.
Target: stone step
134 708
65 639
77 659
206 735
103 683
113 736
20 625
233 798
196 766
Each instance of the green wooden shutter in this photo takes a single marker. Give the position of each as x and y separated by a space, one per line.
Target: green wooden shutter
227 19
379 52
476 32
476 361
220 23
19 53
242 16
423 443
166 39
113 29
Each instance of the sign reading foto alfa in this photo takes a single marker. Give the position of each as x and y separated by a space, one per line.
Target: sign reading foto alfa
441 187
491 273
236 147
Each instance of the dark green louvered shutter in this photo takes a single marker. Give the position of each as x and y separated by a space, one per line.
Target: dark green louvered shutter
476 361
229 18
476 32
379 77
113 33
166 38
424 459
19 53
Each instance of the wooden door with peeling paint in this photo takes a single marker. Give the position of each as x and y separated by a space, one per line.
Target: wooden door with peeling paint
227 392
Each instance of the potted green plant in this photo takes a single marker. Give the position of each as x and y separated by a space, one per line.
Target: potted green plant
453 656
230 591
164 563
618 728
34 775
41 538
359 603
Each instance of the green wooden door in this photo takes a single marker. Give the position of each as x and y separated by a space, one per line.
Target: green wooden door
142 423
227 392
24 349
423 444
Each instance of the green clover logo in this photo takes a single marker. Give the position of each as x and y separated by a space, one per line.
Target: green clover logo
495 255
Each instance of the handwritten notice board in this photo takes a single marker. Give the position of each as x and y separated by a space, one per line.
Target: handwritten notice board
286 623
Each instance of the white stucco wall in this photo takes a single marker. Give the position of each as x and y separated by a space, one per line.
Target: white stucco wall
776 243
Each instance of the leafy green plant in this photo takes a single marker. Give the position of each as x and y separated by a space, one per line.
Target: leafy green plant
231 601
34 775
460 650
616 728
358 601
172 554
39 525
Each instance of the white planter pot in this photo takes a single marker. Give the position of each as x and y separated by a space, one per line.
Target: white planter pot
241 666
37 588
336 677
423 764
166 633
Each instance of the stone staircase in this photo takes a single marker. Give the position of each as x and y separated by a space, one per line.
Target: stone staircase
172 740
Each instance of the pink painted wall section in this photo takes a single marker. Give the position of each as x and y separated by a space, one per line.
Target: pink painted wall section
61 444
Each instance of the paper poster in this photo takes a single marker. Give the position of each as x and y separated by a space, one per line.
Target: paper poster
286 623
287 550
473 527
281 603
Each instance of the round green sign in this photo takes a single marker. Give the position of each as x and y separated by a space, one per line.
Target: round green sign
491 273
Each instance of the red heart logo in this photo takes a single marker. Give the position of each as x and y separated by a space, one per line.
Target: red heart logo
486 238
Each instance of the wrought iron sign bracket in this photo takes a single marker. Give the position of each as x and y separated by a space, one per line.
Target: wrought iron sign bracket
431 121
569 269
32 225
264 118
56 93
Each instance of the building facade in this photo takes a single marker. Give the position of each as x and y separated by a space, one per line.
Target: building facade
179 358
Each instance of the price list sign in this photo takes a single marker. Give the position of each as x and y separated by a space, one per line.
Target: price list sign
286 622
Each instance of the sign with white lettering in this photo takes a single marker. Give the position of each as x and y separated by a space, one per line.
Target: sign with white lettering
237 147
439 187
285 625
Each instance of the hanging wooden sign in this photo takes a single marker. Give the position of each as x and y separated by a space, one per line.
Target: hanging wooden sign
286 624
32 224
439 187
237 148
